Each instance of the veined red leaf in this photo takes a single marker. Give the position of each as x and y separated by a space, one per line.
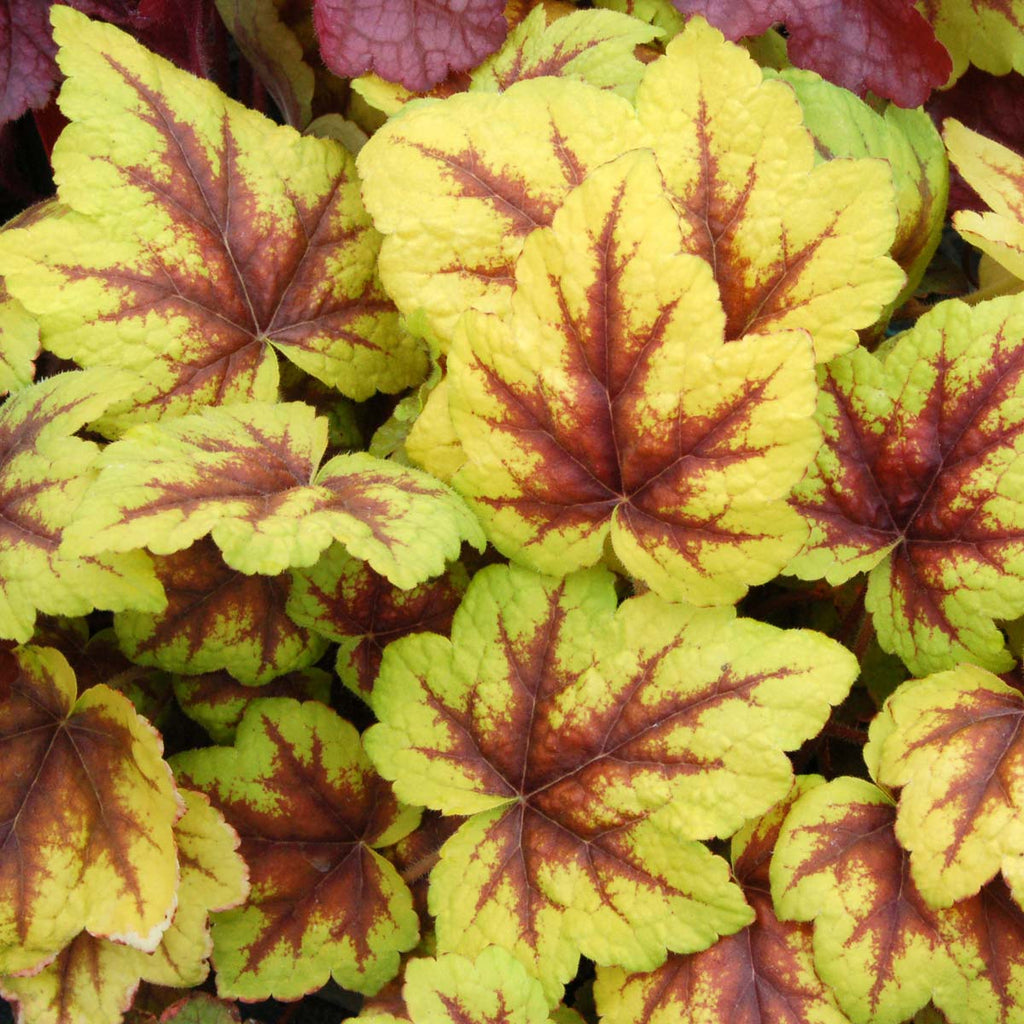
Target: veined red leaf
884 46
594 748
309 808
27 68
917 481
609 408
408 41
196 238
218 618
248 475
44 471
87 811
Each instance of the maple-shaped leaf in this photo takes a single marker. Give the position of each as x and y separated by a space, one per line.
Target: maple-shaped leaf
19 343
996 173
94 979
917 481
452 989
44 471
951 741
882 46
608 407
218 702
27 70
86 815
218 618
877 943
594 748
275 52
793 245
342 598
763 974
408 41
195 237
845 126
456 186
247 474
988 33
310 810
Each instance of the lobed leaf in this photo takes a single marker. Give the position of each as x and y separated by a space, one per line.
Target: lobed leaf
87 811
19 343
44 472
793 245
988 33
594 747
194 237
406 41
951 742
247 475
309 809
608 408
455 190
882 46
218 618
997 174
27 70
917 482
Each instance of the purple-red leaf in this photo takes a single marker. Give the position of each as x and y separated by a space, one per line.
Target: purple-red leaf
884 46
415 42
27 68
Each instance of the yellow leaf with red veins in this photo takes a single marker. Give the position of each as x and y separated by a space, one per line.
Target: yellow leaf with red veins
195 239
609 405
997 175
792 245
87 809
93 980
952 742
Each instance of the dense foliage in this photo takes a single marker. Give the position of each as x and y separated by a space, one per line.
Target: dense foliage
532 533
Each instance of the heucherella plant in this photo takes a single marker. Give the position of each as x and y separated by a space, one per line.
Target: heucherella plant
511 512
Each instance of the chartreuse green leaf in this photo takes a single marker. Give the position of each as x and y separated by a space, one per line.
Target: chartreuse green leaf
988 33
793 245
997 175
19 343
310 809
218 618
87 810
456 186
877 943
594 748
951 741
659 13
44 471
94 979
843 125
451 989
196 237
609 408
247 474
920 481
763 974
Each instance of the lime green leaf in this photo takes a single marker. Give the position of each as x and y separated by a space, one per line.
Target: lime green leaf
609 405
997 175
763 974
195 238
793 245
44 471
659 13
218 702
247 474
87 808
988 33
594 46
19 343
457 185
342 598
845 126
919 481
877 943
309 808
432 443
217 617
953 745
594 747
